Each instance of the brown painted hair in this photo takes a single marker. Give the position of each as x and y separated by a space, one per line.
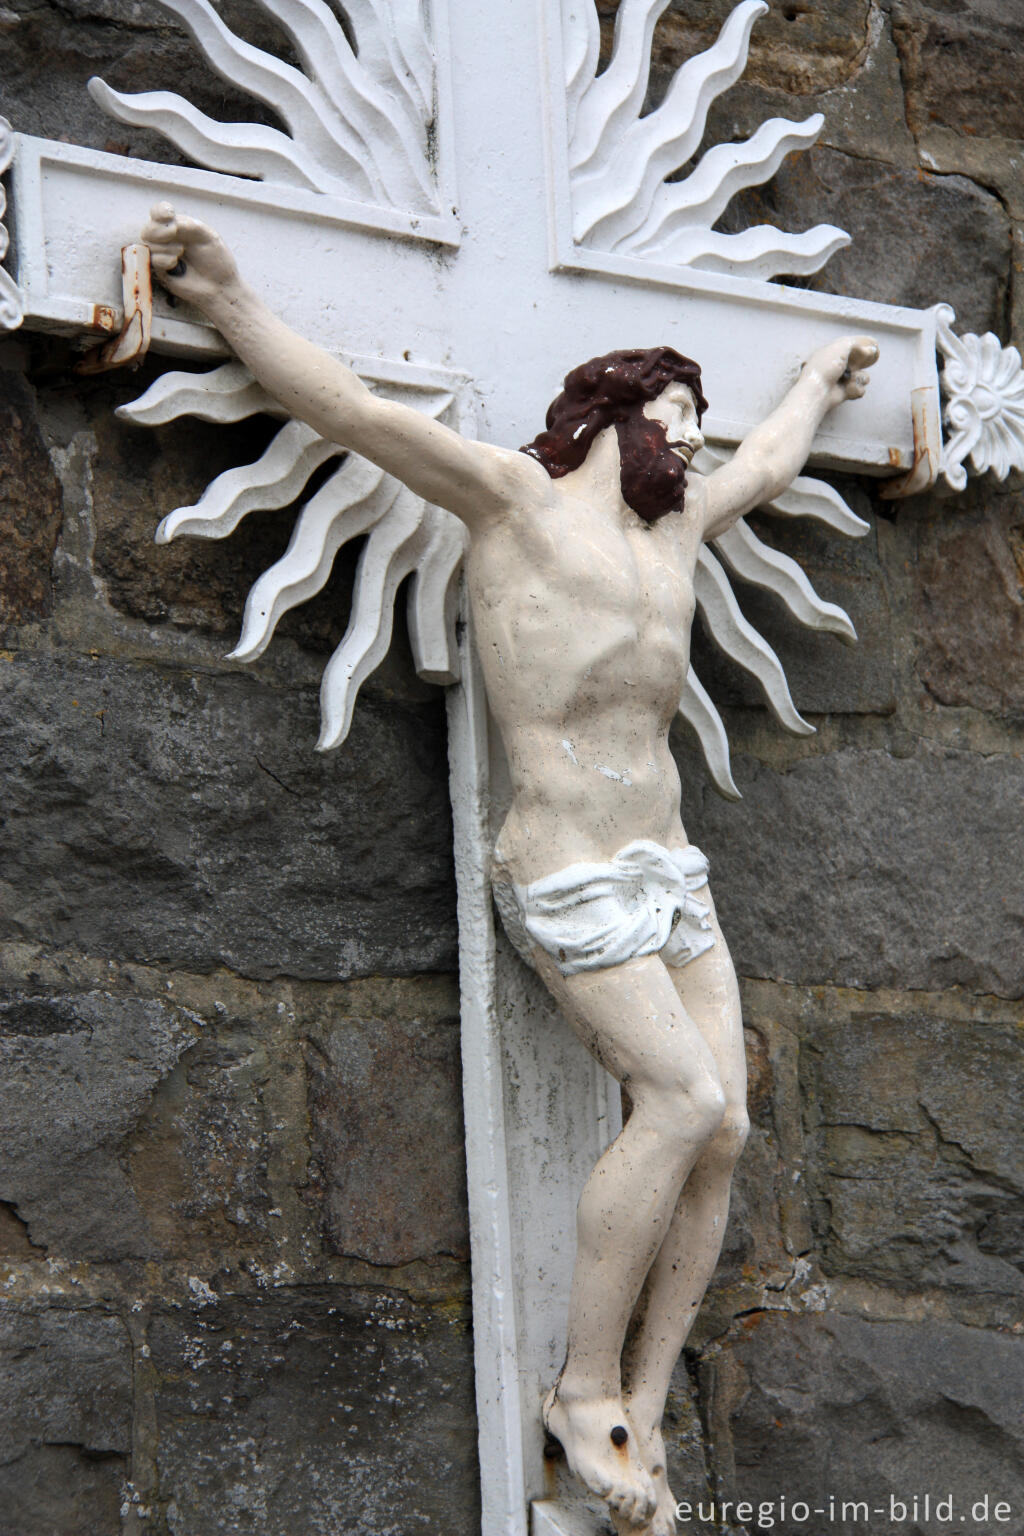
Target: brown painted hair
614 389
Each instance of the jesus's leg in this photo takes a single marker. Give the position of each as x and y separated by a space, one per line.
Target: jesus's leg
686 1260
631 1018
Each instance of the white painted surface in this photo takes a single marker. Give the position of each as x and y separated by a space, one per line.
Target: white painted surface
11 306
616 159
523 300
494 309
544 607
405 534
538 1114
499 1362
505 291
358 119
983 385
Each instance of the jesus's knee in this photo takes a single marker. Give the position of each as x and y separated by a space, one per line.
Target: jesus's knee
730 1138
687 1112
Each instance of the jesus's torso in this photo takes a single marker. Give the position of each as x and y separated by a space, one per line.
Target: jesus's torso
582 614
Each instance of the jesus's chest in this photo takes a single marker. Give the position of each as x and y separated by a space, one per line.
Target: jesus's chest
596 591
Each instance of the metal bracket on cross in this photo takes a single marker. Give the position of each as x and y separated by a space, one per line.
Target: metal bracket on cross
463 242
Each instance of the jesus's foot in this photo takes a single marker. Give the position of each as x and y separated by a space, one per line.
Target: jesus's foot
601 1449
651 1449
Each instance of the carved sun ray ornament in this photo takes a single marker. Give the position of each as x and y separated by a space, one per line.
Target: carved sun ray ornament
619 161
405 536
359 119
758 564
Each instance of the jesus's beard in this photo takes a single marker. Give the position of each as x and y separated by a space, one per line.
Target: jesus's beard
652 476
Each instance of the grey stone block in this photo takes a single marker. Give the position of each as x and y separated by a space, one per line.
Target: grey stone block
959 65
387 1138
185 819
819 1407
30 507
76 1072
200 1155
919 238
802 52
967 601
839 60
65 1421
915 1152
869 870
322 1411
244 1161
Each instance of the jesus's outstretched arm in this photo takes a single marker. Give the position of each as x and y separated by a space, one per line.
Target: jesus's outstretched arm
473 480
772 454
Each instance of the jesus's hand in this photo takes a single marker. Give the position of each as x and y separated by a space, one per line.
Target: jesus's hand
840 367
189 259
769 456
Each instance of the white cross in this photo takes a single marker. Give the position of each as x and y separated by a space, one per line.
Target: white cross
488 282
468 211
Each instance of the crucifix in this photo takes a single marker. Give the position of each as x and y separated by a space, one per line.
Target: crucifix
461 242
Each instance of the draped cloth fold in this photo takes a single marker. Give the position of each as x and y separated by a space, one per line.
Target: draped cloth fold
591 916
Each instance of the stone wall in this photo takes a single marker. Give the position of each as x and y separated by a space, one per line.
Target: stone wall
232 1199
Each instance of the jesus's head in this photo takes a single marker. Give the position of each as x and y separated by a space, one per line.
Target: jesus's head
639 393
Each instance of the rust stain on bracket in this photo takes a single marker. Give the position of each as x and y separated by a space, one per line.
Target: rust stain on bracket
927 451
131 343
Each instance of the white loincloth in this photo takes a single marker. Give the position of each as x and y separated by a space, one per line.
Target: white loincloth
591 916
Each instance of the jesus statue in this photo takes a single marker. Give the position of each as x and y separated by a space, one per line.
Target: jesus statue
581 562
